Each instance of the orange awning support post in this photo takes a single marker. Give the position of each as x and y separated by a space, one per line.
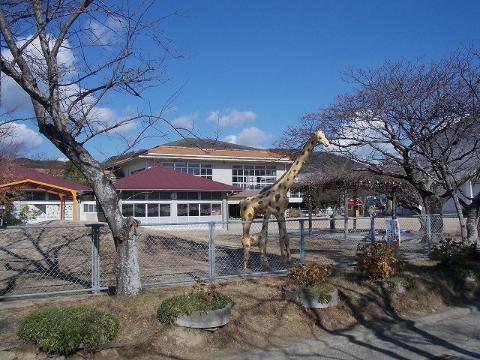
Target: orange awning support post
74 206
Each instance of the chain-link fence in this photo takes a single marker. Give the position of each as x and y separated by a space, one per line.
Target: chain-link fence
58 258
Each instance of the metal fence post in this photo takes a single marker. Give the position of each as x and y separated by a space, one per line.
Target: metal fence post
211 252
302 240
372 228
429 233
95 257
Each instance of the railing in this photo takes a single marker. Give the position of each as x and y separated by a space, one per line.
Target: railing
54 259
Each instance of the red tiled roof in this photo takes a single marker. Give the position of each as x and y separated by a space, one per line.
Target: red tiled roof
19 173
160 178
236 153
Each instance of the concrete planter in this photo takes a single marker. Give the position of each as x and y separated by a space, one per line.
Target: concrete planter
206 319
398 288
308 300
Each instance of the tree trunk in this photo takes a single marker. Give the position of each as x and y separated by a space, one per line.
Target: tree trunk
433 204
461 219
128 270
345 216
433 207
472 215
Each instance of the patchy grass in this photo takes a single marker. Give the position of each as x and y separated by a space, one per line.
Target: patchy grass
178 305
261 317
406 281
65 330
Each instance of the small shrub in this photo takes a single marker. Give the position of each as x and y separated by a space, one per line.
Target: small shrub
65 330
378 261
294 213
324 298
450 252
204 298
309 275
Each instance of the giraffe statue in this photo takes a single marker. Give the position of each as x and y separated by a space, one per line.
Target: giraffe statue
273 200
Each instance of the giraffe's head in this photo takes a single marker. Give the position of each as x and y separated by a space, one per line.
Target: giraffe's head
321 138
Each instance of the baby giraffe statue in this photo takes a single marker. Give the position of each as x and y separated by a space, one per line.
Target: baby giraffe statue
273 200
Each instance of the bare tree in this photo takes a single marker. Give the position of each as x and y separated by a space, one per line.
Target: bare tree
71 58
394 119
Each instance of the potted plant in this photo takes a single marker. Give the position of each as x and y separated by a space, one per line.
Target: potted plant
202 308
307 286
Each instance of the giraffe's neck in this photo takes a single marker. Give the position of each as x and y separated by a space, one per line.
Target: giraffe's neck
287 180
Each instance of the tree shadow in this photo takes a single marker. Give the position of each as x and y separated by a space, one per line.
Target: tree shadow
381 325
37 256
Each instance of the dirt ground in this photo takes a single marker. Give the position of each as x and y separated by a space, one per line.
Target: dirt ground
260 316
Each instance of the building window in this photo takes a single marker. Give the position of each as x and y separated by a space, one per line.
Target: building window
133 195
164 209
211 195
182 209
156 210
152 210
253 176
90 208
187 195
139 210
216 209
159 195
193 210
127 209
36 196
136 171
205 209
195 169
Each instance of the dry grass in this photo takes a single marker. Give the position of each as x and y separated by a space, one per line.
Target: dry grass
261 317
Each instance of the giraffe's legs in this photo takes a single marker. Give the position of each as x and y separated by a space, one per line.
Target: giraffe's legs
247 246
262 244
284 240
246 242
246 227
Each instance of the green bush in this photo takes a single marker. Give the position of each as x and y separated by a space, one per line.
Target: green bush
65 330
178 305
378 260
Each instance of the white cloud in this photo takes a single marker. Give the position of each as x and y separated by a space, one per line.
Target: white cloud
250 136
186 122
367 139
231 118
23 136
14 97
104 117
107 32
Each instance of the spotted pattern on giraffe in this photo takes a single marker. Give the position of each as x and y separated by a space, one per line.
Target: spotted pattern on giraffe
277 205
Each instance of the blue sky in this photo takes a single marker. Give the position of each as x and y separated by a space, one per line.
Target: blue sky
257 66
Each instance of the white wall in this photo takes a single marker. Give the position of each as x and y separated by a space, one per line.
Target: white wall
449 206
222 172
